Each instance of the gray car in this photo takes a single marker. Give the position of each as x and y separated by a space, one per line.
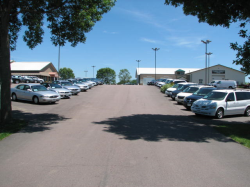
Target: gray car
84 87
64 93
66 84
35 93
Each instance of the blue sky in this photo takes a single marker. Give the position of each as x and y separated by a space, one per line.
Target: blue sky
129 32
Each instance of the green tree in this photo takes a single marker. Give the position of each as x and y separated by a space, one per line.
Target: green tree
134 82
124 76
66 73
223 13
68 21
107 75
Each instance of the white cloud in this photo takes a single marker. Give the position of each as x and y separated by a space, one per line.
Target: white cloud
107 32
152 41
189 42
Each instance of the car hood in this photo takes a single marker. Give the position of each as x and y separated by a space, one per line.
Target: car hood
71 87
195 97
204 102
184 94
48 93
60 89
171 89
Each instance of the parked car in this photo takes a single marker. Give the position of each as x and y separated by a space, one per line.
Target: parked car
35 93
169 91
63 92
188 101
28 79
66 84
186 92
83 86
226 84
17 79
37 79
152 82
220 103
181 88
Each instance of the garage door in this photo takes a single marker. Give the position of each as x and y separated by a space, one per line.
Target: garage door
147 79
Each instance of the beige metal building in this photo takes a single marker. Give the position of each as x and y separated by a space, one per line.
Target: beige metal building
201 76
217 72
44 70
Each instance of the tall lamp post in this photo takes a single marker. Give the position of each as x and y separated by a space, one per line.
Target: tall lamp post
93 71
138 72
206 42
155 49
208 63
86 73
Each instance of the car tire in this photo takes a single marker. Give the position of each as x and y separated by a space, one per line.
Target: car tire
179 103
17 81
247 112
41 82
230 87
219 113
27 81
14 97
35 100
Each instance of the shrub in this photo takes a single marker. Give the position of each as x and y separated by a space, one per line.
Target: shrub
165 87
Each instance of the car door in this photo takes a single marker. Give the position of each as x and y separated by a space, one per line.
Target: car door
19 91
231 105
27 93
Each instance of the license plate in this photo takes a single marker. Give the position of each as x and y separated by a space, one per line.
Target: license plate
188 104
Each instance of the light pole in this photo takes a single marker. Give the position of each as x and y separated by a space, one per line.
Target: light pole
138 71
206 42
93 71
155 49
86 73
208 62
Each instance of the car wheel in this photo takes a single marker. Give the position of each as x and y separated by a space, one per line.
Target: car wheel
173 98
14 97
247 112
230 87
219 113
179 103
35 100
17 81
27 81
41 82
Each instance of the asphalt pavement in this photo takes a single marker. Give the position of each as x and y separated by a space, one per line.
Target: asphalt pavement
120 136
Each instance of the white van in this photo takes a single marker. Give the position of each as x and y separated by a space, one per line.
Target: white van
225 84
220 103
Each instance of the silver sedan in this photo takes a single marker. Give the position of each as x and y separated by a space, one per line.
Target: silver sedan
35 93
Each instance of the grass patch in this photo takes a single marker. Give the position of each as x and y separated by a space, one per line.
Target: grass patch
238 132
13 127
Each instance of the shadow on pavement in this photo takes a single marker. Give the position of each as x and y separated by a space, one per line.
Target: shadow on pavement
158 127
37 122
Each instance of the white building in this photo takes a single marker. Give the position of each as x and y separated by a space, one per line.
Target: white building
201 76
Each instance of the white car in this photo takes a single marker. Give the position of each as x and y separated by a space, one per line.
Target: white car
220 103
35 93
187 92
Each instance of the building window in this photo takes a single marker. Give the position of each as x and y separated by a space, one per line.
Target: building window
200 81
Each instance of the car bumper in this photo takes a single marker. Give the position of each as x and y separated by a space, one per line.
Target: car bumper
49 100
206 112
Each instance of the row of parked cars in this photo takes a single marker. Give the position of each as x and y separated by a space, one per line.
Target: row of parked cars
25 79
210 100
51 92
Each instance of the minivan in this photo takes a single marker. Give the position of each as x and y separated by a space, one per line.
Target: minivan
220 103
225 84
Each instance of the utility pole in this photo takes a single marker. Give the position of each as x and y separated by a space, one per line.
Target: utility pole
206 42
138 72
155 49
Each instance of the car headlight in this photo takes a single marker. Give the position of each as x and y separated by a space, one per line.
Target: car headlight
44 96
212 106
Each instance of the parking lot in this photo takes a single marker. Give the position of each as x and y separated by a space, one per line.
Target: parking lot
125 135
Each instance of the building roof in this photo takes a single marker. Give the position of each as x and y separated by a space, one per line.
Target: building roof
215 66
28 66
164 70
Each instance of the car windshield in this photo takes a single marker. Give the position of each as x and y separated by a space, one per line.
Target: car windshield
38 88
175 86
190 89
66 84
182 87
202 92
215 96
55 86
